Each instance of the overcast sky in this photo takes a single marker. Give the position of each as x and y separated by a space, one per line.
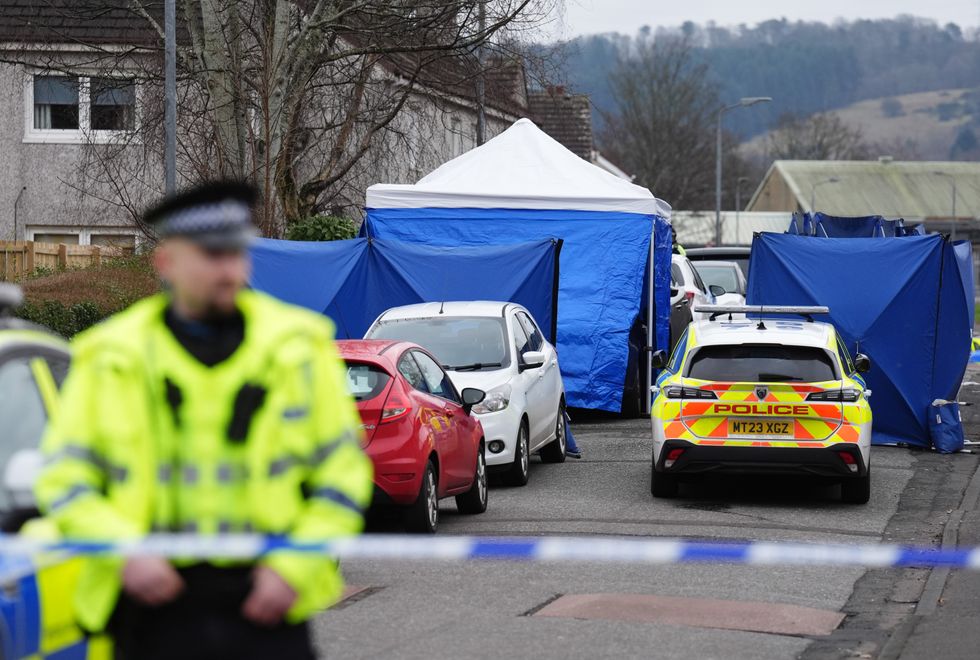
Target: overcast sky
627 16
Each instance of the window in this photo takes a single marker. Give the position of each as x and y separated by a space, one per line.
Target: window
113 104
762 363
458 342
676 275
365 381
521 342
698 282
535 340
121 241
845 356
76 109
22 411
67 239
435 378
410 370
724 276
119 238
56 103
678 356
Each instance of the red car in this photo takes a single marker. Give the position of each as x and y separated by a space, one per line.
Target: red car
418 430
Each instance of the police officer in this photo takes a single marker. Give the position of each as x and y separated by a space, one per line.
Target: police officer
208 409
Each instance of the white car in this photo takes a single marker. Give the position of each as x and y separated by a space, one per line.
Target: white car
498 348
725 274
691 285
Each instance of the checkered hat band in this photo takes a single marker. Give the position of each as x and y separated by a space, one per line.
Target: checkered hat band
206 218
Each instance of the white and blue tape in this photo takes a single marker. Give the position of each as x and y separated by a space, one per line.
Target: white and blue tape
15 549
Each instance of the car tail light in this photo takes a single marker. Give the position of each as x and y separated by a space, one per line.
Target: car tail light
677 392
395 408
849 460
689 295
672 457
845 396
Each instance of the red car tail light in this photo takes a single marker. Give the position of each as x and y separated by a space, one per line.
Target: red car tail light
849 460
395 408
689 295
672 457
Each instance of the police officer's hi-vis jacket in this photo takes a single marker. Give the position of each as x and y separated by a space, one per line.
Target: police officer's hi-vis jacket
148 439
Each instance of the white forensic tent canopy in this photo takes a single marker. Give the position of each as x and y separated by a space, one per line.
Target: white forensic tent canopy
525 168
517 175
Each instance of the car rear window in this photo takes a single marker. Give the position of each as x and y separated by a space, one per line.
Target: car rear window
366 381
762 364
723 276
454 340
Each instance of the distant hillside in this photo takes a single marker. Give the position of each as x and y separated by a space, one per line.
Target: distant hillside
939 125
805 67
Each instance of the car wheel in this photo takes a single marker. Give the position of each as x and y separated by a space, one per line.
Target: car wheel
517 472
554 451
475 499
423 516
858 490
662 485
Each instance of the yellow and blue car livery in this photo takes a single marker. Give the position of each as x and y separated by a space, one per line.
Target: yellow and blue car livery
767 394
36 614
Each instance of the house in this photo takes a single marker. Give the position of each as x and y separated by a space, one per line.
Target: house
68 119
943 195
82 109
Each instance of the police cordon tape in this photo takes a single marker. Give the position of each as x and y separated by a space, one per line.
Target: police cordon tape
14 550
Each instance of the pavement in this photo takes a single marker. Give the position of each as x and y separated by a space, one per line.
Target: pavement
422 609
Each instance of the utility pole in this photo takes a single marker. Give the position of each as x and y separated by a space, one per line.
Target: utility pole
481 90
170 96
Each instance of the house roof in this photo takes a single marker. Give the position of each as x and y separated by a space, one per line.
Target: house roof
894 189
116 22
565 117
89 22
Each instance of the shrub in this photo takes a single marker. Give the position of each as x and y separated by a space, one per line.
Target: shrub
322 228
66 320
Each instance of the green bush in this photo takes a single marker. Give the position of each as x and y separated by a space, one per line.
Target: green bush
322 228
66 320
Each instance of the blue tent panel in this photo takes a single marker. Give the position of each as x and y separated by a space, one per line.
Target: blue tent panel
603 260
354 281
908 318
964 259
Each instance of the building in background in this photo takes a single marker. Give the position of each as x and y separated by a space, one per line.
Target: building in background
568 118
916 191
697 228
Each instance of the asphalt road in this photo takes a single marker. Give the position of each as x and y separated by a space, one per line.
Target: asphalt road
420 609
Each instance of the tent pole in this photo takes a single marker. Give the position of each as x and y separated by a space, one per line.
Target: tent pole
650 317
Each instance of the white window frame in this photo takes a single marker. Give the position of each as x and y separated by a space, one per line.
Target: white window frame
84 234
83 134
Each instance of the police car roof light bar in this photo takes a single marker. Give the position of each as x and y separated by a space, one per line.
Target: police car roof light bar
806 312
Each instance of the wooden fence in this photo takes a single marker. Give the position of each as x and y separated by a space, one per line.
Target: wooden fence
19 258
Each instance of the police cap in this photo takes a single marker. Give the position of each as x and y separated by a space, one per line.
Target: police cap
216 215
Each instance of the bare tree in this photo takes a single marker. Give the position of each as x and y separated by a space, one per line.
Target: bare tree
817 137
663 129
293 95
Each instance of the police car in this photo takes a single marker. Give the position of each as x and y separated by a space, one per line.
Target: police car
36 616
774 392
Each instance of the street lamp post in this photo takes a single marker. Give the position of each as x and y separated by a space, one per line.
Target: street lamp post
813 192
738 201
952 219
743 103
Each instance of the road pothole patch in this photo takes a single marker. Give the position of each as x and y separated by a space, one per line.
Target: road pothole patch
749 616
